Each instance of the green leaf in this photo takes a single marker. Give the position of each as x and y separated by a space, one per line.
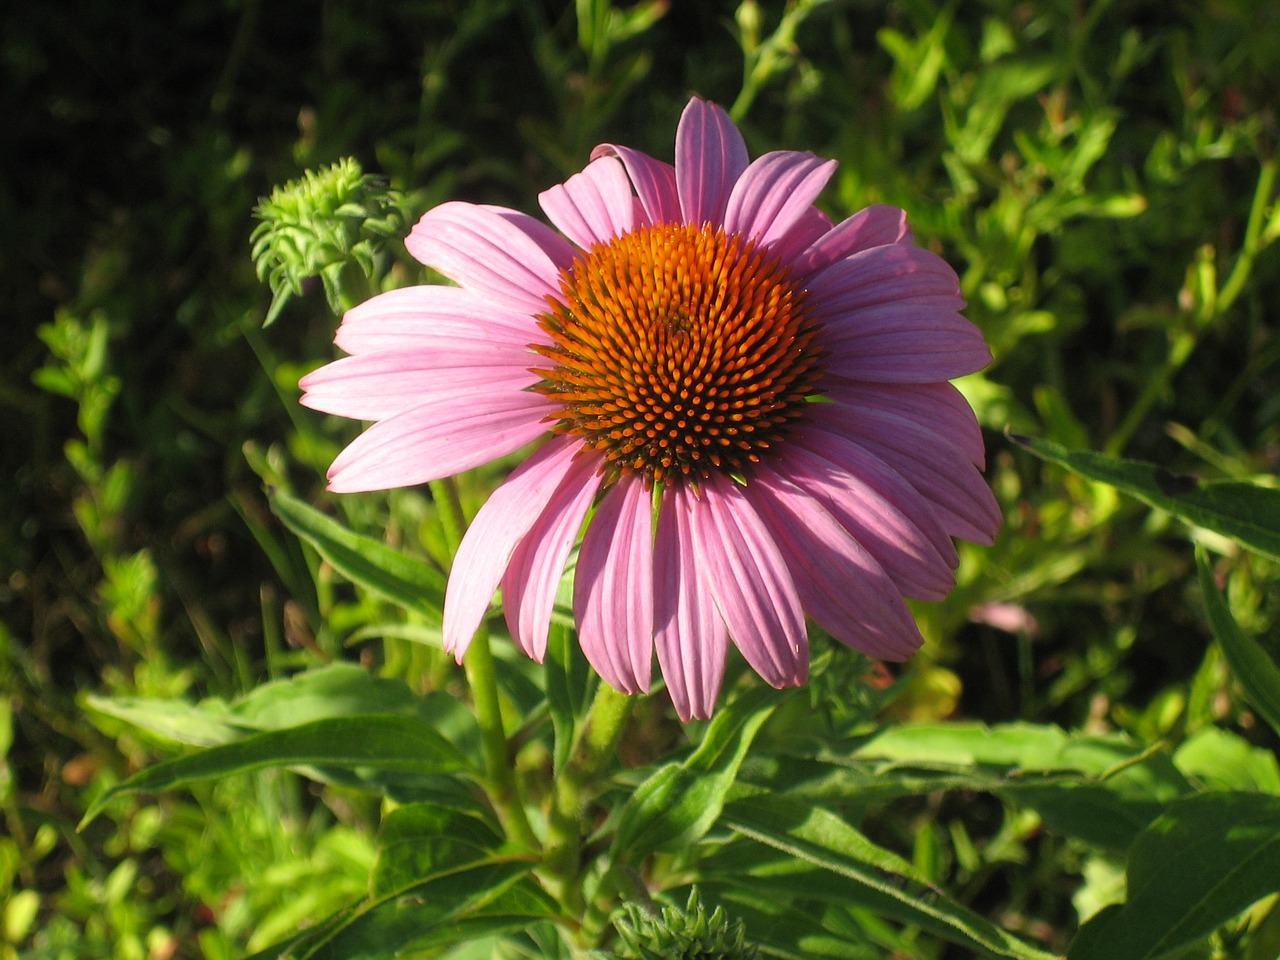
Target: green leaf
1104 790
405 581
570 687
205 724
1256 672
680 802
385 743
1204 861
1244 512
480 900
461 906
1224 761
854 871
330 691
424 839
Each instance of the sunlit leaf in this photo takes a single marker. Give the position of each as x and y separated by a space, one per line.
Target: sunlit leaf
424 839
386 743
1204 861
854 871
1244 512
680 802
405 581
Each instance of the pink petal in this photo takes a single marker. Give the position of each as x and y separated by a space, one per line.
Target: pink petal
774 193
938 407
872 227
653 180
506 257
904 343
690 636
593 206
613 587
710 156
936 468
811 225
885 274
426 316
750 583
503 521
533 576
840 584
376 386
883 512
439 439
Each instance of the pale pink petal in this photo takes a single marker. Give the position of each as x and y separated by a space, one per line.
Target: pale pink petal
904 343
439 439
939 407
892 273
653 180
774 193
883 512
507 257
593 206
613 587
872 227
750 583
533 575
813 223
938 469
690 636
839 583
426 316
376 386
503 521
710 156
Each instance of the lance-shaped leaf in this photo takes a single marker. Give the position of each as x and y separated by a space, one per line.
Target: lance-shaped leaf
1204 861
1256 672
405 581
381 743
680 802
1244 512
852 870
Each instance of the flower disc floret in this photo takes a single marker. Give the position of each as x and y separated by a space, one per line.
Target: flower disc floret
678 351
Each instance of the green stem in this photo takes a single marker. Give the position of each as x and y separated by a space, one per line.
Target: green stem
482 678
1252 234
593 750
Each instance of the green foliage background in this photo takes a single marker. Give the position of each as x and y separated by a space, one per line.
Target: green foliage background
1102 175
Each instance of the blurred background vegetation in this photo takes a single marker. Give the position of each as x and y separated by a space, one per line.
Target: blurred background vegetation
1101 174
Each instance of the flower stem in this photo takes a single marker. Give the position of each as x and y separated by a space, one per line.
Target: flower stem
593 749
482 678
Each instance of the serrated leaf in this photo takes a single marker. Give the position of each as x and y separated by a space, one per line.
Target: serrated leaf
1243 512
1204 861
1256 672
405 581
384 743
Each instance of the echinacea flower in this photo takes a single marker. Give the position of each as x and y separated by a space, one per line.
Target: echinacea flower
750 404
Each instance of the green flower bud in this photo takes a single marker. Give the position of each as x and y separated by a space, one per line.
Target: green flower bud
681 934
317 225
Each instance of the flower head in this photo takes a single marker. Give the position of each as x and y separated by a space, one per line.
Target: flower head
750 403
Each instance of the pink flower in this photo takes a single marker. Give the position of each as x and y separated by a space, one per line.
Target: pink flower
750 404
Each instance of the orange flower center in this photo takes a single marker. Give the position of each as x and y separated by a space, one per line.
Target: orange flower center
678 351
